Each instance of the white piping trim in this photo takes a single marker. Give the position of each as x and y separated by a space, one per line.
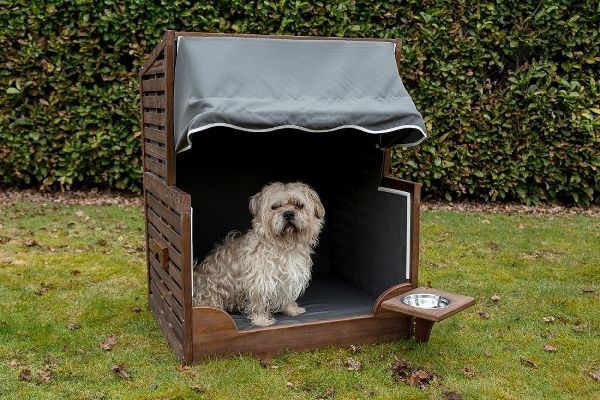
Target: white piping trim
301 128
408 203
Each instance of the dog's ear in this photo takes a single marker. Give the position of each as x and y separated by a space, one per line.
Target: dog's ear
254 204
316 200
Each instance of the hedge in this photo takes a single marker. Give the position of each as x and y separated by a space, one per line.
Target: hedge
509 89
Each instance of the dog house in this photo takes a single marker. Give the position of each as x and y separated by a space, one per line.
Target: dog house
223 115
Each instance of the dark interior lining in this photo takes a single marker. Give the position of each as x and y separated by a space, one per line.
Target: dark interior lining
363 242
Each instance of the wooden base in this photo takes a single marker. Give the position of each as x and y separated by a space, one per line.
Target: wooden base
215 333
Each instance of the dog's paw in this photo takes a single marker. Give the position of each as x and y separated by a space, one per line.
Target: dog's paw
261 320
294 310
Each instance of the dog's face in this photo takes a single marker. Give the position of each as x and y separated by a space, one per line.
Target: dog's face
287 213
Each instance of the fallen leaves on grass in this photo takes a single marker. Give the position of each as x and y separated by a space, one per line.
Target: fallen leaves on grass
267 363
452 396
31 243
549 320
290 385
353 365
330 393
122 371
549 348
108 343
596 375
25 375
484 315
495 298
469 373
73 325
44 287
12 363
199 389
137 309
416 377
528 363
549 335
75 272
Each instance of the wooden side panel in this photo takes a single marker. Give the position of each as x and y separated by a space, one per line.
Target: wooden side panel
168 220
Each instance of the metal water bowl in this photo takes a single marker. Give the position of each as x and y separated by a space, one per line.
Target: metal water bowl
426 300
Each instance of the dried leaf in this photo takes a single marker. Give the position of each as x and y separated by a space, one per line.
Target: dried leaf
136 309
421 378
25 375
108 343
353 365
31 243
122 371
43 288
182 368
290 385
353 348
528 363
75 272
495 298
549 348
45 376
596 375
73 325
484 314
469 373
401 367
199 389
12 363
588 290
267 363
549 319
452 396
549 335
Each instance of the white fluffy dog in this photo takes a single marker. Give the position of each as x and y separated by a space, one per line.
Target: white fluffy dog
265 270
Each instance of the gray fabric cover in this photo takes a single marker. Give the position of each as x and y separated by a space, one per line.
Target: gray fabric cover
264 84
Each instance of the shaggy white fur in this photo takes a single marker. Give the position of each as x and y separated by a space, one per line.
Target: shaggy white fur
266 269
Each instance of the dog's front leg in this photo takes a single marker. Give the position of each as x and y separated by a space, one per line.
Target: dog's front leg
293 309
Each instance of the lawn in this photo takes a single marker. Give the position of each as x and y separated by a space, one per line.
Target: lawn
72 277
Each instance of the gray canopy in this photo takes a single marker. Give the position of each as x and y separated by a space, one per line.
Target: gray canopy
262 85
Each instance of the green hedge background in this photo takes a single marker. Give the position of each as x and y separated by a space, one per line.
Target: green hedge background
509 89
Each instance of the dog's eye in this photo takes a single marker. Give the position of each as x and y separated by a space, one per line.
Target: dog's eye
275 206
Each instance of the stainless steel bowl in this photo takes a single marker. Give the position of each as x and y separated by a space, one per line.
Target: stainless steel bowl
426 300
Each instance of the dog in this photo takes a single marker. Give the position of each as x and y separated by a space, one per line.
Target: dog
265 270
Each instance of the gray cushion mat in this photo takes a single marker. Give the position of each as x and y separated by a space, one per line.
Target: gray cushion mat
324 299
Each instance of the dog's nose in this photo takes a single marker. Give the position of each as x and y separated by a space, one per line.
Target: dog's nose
288 215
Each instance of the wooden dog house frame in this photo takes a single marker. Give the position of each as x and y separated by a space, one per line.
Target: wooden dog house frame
197 332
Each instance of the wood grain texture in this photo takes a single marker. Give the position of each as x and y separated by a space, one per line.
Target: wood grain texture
224 340
394 291
458 303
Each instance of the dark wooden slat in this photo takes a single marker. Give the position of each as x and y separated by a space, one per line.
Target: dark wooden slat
170 96
186 254
174 255
155 151
176 198
155 101
159 119
164 212
170 317
154 166
153 85
172 237
155 134
157 68
157 52
155 303
165 285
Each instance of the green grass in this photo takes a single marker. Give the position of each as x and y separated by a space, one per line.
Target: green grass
540 266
